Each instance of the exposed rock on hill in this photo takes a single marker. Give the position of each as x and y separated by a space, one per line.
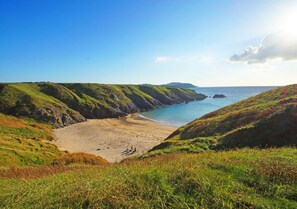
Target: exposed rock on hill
65 104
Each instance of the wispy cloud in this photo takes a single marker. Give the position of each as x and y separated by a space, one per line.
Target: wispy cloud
273 46
161 59
184 58
205 60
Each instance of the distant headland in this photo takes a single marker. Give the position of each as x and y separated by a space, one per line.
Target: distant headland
181 85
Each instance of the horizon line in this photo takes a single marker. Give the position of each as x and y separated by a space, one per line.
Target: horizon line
271 85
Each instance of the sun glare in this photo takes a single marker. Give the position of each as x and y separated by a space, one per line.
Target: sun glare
288 23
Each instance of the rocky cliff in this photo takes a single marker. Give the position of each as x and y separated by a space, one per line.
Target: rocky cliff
65 104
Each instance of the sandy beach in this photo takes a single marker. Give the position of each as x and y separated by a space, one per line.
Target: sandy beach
113 139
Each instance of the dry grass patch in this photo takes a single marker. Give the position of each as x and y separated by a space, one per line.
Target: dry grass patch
79 158
277 171
34 172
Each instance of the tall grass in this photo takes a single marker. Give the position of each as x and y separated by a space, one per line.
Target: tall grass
247 178
79 158
25 142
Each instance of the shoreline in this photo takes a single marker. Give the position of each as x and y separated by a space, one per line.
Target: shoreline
114 139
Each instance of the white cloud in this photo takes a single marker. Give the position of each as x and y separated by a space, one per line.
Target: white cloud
160 59
273 46
184 59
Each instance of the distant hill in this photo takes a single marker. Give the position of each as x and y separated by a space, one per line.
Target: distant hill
65 104
181 85
266 120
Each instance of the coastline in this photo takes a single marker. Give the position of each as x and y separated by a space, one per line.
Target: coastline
114 139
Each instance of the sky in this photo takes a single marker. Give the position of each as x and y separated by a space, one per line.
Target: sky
207 43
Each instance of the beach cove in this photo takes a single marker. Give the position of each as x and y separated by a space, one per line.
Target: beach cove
114 139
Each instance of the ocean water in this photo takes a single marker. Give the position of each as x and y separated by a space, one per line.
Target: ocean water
181 114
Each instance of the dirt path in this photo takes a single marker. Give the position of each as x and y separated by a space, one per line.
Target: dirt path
112 139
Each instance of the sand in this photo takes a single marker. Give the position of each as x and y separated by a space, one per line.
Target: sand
113 139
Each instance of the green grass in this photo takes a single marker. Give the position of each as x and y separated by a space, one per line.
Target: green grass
268 119
246 178
25 142
196 145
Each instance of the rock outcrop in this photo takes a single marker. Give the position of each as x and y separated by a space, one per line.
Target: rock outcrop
219 96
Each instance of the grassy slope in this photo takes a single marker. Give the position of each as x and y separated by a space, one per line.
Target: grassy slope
27 99
25 142
246 178
18 98
268 119
121 95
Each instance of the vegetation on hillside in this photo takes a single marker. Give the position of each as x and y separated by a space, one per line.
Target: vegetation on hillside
65 104
28 99
79 158
266 120
25 142
246 178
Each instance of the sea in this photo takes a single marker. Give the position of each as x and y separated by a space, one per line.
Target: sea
181 114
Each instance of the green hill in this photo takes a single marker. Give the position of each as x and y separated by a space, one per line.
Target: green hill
65 104
266 120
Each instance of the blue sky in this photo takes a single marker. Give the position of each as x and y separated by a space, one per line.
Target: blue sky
143 41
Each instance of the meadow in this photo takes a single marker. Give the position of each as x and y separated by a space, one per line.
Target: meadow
246 178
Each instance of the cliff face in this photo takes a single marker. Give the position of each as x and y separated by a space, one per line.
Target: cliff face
65 104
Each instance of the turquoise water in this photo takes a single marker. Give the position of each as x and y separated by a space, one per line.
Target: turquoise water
181 114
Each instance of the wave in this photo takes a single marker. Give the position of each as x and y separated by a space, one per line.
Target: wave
150 119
